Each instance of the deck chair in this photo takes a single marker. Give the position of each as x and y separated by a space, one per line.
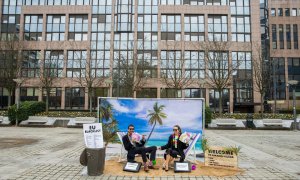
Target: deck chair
192 144
122 155
123 152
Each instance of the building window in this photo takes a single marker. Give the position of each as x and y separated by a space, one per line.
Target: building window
171 64
194 93
124 15
76 64
287 11
147 93
33 27
294 74
78 27
54 63
56 28
294 12
100 63
194 28
295 34
54 98
147 63
214 97
280 12
240 28
279 78
216 2
193 2
35 2
98 92
10 23
194 64
239 7
101 22
170 93
171 27
217 65
4 97
288 36
74 98
29 94
281 36
242 77
8 64
217 28
274 36
31 64
273 12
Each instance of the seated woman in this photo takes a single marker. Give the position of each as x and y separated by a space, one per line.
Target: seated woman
174 148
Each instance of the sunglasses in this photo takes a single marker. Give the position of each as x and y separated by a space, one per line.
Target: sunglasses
175 129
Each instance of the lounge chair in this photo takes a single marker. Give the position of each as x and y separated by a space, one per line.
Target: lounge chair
192 144
123 151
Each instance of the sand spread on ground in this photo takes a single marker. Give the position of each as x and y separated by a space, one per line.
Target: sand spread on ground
113 167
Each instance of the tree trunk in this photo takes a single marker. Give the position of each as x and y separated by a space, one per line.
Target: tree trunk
261 105
91 103
151 131
47 102
9 98
220 103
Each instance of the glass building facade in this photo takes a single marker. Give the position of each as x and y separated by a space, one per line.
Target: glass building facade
137 45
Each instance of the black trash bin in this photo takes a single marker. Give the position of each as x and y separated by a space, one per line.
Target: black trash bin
249 121
95 161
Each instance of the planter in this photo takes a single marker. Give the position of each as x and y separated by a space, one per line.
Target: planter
95 161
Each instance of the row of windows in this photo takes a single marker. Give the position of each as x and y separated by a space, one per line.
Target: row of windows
206 2
194 27
193 62
46 2
286 34
109 2
285 12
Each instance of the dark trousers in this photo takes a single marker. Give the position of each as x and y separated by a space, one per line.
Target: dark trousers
142 151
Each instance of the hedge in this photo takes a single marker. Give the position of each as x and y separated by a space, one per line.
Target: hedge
255 116
68 114
26 109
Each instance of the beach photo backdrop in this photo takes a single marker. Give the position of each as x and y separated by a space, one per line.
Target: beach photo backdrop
156 115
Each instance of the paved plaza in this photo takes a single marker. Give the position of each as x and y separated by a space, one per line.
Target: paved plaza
53 153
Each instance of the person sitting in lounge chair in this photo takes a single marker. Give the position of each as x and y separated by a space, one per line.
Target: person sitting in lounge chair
174 148
134 146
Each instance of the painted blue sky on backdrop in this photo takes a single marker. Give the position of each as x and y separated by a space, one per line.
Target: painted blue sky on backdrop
187 113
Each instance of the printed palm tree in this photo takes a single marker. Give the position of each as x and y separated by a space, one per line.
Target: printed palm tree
156 115
105 112
109 123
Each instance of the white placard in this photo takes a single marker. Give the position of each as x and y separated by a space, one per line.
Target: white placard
182 166
131 166
93 135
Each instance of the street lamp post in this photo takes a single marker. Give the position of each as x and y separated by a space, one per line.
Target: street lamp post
19 82
293 83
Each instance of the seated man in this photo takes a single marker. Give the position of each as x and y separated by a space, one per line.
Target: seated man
137 147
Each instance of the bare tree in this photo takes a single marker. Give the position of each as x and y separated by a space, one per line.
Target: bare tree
175 73
88 76
10 64
261 75
218 70
129 75
130 70
51 70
